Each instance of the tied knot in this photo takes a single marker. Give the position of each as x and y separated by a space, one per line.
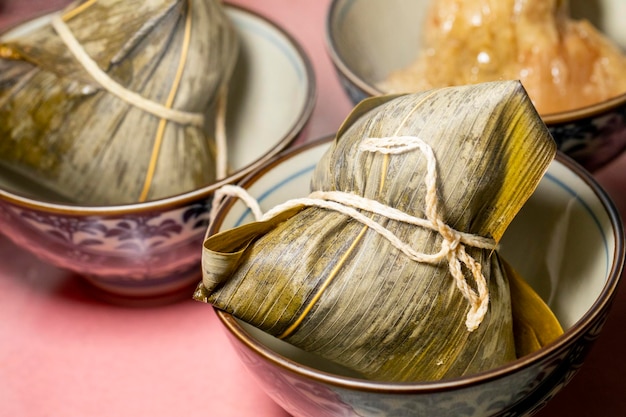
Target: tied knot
451 238
453 245
450 245
453 242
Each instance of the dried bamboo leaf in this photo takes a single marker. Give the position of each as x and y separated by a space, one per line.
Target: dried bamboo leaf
61 127
534 324
333 286
232 248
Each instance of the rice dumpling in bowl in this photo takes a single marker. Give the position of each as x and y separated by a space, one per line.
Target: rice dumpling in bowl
566 242
134 251
405 215
568 54
117 102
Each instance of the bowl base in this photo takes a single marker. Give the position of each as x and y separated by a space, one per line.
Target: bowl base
171 296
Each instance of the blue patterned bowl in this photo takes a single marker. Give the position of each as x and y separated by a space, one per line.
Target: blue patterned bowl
367 40
567 241
151 250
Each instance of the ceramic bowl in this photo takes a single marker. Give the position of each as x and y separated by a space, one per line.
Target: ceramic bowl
569 233
367 40
150 250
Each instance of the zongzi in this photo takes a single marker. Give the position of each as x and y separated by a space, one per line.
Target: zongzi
117 101
562 62
390 267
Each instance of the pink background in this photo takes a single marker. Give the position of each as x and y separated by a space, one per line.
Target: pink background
63 353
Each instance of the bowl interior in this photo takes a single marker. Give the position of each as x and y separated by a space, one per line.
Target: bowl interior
564 242
271 91
364 36
370 39
606 15
271 95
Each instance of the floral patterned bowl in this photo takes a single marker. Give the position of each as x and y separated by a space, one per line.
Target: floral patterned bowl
367 40
567 241
151 250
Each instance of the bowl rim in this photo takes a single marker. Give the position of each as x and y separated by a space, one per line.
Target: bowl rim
603 302
181 199
371 90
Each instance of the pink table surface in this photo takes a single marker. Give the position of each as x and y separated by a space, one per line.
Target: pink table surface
64 353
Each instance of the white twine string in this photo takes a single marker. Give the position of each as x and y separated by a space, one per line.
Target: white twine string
163 112
453 241
229 190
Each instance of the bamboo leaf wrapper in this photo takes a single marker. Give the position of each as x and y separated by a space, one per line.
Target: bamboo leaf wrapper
62 127
330 281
